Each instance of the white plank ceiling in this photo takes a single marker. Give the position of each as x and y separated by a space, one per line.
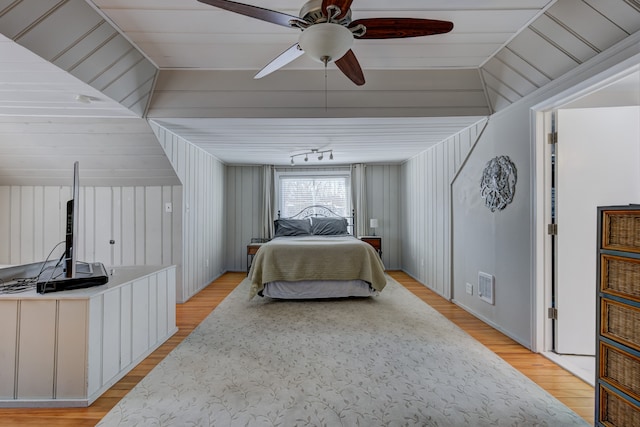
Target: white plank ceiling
188 34
189 67
30 86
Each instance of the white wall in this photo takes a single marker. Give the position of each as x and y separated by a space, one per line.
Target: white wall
383 203
498 242
191 236
502 243
425 205
244 206
32 222
202 235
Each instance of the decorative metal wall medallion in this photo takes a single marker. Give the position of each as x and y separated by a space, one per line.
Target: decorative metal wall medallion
498 184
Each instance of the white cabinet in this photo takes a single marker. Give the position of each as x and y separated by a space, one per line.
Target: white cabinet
67 348
36 344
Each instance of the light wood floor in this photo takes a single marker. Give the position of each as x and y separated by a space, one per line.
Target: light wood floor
575 393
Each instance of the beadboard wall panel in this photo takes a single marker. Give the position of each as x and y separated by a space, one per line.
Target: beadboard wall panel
383 203
244 199
244 212
425 216
32 223
201 213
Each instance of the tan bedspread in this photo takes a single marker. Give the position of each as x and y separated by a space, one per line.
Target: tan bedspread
316 258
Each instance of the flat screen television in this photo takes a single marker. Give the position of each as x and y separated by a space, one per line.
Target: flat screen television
71 238
72 273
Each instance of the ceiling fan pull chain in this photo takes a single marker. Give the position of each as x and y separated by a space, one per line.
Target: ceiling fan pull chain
325 88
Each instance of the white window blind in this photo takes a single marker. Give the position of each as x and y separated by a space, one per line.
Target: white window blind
296 192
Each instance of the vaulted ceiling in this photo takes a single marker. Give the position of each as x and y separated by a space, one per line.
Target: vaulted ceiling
110 65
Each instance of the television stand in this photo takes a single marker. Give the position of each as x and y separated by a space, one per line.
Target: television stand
65 349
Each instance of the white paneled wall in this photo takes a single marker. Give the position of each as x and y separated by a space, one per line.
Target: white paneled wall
383 203
32 223
202 212
244 198
244 212
425 198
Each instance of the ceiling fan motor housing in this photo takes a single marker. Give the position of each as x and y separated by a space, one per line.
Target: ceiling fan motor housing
312 13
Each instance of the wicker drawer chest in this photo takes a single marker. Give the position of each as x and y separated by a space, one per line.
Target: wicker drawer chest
618 305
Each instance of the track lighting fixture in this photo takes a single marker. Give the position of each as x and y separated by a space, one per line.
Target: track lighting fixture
313 152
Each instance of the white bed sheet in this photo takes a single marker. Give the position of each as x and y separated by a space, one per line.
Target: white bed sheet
311 289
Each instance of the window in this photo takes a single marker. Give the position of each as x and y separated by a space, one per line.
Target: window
297 190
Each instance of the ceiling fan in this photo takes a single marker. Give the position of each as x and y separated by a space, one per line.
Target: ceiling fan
328 32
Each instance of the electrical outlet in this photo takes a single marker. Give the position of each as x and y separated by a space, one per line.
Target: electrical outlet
469 288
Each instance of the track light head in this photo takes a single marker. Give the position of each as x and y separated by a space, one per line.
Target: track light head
321 156
306 158
331 156
292 162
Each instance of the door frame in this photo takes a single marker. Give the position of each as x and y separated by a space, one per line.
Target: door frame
541 334
542 291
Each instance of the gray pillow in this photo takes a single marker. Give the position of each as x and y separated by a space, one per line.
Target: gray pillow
292 227
328 226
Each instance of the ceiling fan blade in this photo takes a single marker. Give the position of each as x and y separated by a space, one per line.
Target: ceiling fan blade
393 28
350 66
343 5
254 12
280 61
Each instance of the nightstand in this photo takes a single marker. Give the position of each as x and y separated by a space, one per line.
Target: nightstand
252 249
375 241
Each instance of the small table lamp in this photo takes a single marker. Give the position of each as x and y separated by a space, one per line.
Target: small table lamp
373 223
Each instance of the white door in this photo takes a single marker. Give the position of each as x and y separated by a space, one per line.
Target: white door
598 159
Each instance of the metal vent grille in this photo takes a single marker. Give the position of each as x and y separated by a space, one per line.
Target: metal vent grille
485 287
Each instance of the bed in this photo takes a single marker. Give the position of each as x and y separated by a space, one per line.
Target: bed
315 255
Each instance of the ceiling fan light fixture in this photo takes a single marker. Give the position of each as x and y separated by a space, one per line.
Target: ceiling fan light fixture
326 42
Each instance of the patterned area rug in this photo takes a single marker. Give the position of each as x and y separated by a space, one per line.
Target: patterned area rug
389 360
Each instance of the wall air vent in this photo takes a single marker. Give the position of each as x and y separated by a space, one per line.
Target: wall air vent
486 285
